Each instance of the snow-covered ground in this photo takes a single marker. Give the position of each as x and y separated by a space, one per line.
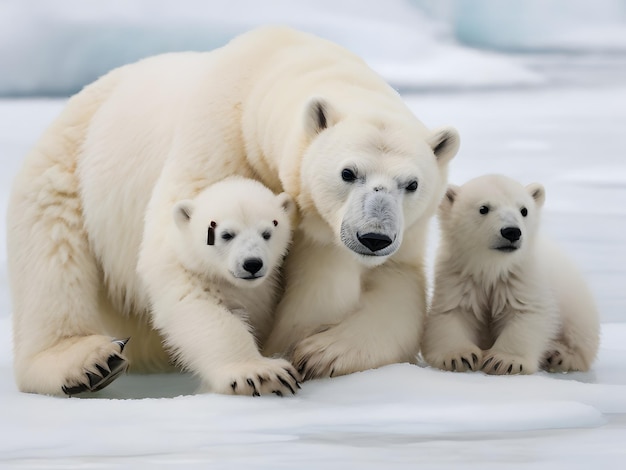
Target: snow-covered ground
564 128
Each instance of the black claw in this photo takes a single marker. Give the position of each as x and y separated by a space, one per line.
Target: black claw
294 379
560 362
115 362
466 362
487 362
74 390
474 359
521 368
114 374
549 360
453 364
251 383
497 366
121 343
509 369
256 394
261 379
286 384
277 393
94 379
103 372
234 386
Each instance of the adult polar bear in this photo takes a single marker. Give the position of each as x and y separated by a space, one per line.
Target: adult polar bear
296 112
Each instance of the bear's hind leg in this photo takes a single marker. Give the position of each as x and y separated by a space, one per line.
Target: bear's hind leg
55 282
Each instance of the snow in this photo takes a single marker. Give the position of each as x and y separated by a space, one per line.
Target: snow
566 133
541 24
80 41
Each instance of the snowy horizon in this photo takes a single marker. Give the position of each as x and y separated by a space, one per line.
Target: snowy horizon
418 45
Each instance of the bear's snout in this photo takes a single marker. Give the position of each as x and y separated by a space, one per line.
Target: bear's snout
512 234
375 241
253 265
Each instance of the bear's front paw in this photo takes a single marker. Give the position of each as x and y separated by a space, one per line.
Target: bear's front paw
458 361
257 377
321 356
499 363
101 368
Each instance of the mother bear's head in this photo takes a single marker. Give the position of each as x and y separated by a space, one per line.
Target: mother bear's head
370 176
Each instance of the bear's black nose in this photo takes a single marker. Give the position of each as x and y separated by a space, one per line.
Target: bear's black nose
375 241
253 265
512 234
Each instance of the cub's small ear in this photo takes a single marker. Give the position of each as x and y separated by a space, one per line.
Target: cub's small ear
287 203
538 193
448 199
445 142
318 115
182 212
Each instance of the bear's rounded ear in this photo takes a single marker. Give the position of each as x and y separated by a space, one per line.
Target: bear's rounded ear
537 192
445 142
287 203
318 115
448 199
182 212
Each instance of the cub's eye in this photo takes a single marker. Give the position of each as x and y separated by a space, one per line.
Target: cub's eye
524 211
227 236
483 210
266 235
348 175
412 186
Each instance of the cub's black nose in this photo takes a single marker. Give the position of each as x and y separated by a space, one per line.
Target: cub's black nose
512 234
375 241
253 265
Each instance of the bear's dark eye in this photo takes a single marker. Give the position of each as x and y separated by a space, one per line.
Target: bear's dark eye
348 175
483 210
412 186
266 235
227 236
524 211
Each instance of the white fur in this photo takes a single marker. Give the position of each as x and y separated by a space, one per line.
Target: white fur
208 314
284 107
505 311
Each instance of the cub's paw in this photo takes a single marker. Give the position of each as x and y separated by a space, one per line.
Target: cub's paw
499 363
257 377
458 361
101 367
560 358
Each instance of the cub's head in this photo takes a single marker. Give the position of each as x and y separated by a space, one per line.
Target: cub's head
236 230
366 178
491 218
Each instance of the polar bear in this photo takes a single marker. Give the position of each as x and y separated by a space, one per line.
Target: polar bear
211 286
296 112
506 300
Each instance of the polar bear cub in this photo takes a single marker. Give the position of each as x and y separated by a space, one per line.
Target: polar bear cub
213 296
505 300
